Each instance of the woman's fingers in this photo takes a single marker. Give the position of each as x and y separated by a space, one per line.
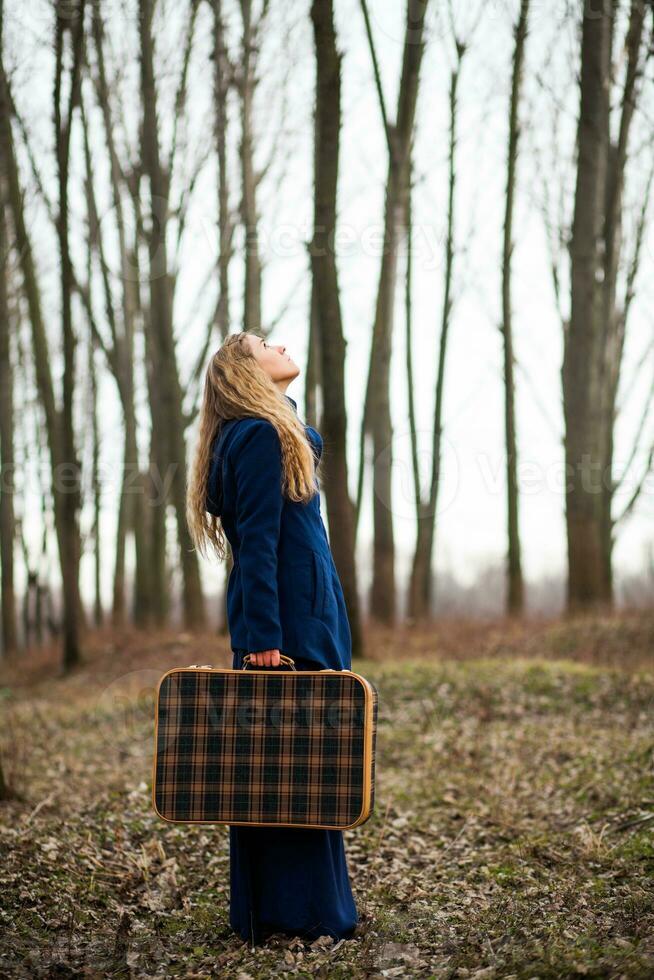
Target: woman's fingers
266 658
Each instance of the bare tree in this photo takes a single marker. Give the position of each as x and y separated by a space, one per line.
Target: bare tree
160 326
96 487
594 338
222 74
59 431
420 583
7 517
64 108
326 309
615 306
121 316
312 379
247 82
376 420
515 586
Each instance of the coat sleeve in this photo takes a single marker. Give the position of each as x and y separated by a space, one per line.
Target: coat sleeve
259 501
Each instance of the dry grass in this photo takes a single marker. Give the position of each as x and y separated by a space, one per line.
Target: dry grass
512 835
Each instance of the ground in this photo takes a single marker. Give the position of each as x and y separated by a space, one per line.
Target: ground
513 832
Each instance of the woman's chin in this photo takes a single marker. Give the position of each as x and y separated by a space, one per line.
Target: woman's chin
293 372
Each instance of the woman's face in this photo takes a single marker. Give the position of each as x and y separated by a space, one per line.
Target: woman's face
273 358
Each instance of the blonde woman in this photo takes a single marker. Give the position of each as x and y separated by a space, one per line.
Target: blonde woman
253 481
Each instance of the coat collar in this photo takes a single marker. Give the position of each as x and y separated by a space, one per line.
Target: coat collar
292 401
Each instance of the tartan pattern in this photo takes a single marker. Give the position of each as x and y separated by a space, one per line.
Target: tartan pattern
264 748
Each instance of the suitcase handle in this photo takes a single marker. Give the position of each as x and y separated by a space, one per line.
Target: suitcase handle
288 661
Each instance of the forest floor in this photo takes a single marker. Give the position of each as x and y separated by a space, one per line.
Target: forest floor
513 832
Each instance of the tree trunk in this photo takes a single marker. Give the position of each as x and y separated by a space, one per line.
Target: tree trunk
96 487
377 414
67 539
327 334
154 495
144 594
582 372
92 407
131 510
222 74
420 583
515 587
5 793
413 429
171 421
7 518
71 496
63 132
594 340
312 373
249 216
614 317
157 543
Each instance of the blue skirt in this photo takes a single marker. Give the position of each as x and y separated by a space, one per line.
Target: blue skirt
292 880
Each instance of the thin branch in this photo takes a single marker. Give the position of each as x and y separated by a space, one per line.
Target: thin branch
180 98
633 500
641 229
638 436
32 162
388 130
95 240
181 212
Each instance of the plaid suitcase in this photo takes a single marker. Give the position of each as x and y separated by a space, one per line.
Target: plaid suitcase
265 748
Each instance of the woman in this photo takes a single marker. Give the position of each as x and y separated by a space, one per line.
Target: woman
254 482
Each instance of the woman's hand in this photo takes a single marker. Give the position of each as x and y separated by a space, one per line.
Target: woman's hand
265 658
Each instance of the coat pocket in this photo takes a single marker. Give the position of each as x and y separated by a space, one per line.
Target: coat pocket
307 579
319 573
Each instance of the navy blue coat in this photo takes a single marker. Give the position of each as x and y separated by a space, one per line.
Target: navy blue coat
284 591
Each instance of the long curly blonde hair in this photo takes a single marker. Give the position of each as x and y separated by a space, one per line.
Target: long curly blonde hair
237 387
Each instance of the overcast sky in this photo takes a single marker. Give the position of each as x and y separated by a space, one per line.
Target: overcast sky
471 526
